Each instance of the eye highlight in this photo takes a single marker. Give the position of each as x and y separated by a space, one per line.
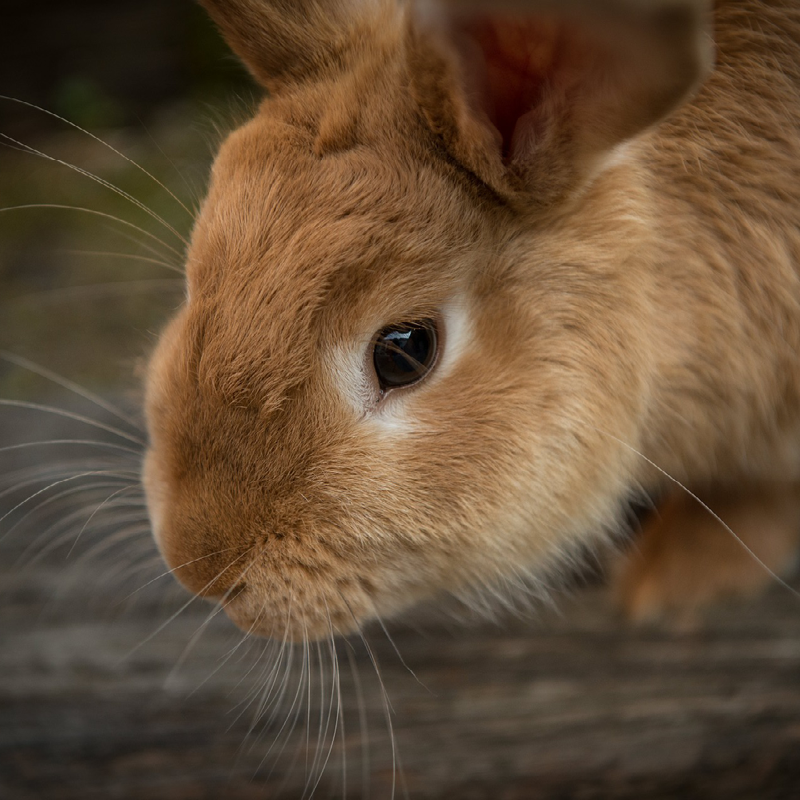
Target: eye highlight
404 354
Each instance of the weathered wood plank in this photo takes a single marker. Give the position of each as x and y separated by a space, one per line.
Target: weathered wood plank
572 706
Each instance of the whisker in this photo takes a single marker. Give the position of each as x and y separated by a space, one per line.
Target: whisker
58 442
126 534
94 514
126 568
50 486
290 714
318 748
269 705
192 189
225 600
57 541
307 658
362 720
399 654
71 386
60 496
387 707
73 416
99 141
87 495
231 652
265 703
168 265
183 607
304 683
266 675
173 570
267 690
335 684
157 254
36 475
94 212
194 639
25 148
267 645
780 581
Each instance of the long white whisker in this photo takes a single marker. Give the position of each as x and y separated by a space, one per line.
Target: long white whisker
362 721
94 212
231 652
99 141
94 514
192 189
128 236
25 148
304 683
50 486
173 570
126 256
266 647
58 497
780 581
57 442
335 684
123 534
195 638
320 736
265 703
292 714
183 607
399 654
387 708
223 602
59 537
37 474
71 415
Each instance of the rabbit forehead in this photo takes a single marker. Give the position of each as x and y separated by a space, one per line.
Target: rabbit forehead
291 249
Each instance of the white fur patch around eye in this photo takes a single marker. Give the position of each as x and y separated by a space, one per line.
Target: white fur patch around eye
395 412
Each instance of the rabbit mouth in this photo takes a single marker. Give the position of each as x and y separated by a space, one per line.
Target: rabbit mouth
306 614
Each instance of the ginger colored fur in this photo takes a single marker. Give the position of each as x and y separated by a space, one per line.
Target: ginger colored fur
636 299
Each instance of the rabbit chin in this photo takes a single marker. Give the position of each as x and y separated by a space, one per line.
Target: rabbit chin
306 615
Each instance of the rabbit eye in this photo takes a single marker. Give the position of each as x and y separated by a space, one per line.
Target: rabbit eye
404 354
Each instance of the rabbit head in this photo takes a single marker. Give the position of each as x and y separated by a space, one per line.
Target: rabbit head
413 332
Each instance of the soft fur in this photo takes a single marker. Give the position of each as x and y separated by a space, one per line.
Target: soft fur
625 272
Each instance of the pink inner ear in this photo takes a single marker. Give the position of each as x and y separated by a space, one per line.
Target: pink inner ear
523 57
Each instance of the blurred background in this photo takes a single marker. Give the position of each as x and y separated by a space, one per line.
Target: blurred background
110 684
154 81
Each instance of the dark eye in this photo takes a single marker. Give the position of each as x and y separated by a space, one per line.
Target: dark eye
403 354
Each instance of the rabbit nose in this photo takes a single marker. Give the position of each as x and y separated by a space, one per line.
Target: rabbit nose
198 556
200 561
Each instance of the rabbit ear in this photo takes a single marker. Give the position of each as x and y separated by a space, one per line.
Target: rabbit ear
545 90
291 41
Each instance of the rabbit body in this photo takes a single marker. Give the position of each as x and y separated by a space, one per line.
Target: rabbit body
613 269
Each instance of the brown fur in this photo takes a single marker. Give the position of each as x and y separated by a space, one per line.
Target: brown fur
646 305
685 558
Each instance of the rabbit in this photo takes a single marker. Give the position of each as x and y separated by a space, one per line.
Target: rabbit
474 277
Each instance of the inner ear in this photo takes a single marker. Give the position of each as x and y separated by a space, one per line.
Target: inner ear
560 85
514 61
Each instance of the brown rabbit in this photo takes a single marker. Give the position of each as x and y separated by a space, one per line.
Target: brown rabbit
475 276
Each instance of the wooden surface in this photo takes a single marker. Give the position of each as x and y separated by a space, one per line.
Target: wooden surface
101 696
577 706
